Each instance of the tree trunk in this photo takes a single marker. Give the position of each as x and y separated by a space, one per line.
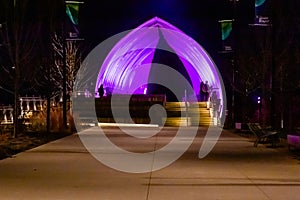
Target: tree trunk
16 108
48 114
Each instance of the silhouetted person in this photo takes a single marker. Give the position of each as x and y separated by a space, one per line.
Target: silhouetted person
201 93
101 91
205 90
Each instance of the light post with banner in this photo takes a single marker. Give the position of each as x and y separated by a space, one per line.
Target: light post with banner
263 25
71 34
227 50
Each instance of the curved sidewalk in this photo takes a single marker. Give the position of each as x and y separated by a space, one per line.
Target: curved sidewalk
233 170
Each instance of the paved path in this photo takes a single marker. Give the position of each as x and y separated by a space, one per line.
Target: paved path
234 170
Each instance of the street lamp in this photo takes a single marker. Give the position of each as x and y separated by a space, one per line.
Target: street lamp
263 22
75 8
228 49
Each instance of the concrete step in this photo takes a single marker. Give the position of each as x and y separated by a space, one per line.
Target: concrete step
179 115
183 121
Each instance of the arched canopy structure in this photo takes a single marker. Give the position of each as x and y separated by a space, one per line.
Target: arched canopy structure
129 61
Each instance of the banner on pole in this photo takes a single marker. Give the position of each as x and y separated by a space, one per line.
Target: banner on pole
72 11
227 36
263 12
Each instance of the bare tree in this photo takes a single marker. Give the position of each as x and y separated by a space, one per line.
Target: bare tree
51 72
73 59
268 62
286 61
20 36
254 74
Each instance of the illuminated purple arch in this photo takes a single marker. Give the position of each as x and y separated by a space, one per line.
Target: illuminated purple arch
130 59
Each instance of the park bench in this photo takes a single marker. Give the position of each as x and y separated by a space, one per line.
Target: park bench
263 135
293 139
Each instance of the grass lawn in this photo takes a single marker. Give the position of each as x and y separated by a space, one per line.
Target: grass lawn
10 146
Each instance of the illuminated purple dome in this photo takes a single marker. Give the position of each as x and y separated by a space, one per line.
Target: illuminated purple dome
127 66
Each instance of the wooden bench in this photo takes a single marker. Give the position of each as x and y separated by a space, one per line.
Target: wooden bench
263 135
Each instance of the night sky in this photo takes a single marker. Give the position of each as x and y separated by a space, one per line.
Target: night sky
99 20
198 19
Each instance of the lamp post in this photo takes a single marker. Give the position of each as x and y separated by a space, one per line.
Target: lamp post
65 123
229 49
64 92
71 37
234 4
263 25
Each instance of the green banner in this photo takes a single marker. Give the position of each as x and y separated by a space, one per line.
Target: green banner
72 10
263 12
226 27
227 38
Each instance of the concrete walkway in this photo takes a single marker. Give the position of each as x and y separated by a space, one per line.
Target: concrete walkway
234 170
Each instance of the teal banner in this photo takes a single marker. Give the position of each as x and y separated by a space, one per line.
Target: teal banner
72 11
263 12
226 33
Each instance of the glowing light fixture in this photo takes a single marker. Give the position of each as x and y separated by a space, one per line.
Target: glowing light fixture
129 61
